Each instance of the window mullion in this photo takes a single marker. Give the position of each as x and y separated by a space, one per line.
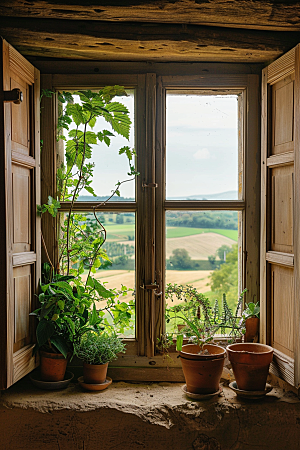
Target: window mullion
145 274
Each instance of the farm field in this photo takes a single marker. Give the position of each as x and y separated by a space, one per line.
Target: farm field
122 231
198 246
115 278
175 232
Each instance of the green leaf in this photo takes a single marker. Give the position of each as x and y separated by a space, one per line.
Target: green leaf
102 291
61 304
90 137
94 316
60 344
44 331
179 342
90 190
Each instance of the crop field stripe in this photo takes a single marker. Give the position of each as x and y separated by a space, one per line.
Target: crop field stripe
175 232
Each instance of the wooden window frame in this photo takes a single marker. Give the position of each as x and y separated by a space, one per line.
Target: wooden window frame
150 204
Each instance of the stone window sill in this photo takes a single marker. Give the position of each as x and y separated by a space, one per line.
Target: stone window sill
155 416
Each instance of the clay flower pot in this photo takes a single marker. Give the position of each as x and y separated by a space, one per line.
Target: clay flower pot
94 373
252 326
202 372
250 364
53 366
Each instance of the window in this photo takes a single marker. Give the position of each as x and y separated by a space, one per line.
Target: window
159 198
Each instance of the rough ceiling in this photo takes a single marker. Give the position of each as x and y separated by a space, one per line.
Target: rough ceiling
256 31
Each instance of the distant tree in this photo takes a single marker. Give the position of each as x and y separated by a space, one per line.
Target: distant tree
212 260
222 252
119 219
180 259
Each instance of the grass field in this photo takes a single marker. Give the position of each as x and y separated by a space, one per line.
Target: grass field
176 232
122 231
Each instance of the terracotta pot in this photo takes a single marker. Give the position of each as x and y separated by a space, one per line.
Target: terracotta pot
202 372
250 364
94 373
53 366
252 326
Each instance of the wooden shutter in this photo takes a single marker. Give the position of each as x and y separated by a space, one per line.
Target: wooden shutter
19 226
280 243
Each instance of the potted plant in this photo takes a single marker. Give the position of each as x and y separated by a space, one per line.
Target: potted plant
250 364
251 320
97 349
202 362
64 314
67 300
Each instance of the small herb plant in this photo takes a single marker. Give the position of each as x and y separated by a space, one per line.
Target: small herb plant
201 320
98 347
252 310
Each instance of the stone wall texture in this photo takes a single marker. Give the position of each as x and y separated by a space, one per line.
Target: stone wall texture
136 416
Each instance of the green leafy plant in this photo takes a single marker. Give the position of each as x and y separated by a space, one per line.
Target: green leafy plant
68 310
98 347
252 310
68 300
201 320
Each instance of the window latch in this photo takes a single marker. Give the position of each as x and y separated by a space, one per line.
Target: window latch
149 185
152 287
14 96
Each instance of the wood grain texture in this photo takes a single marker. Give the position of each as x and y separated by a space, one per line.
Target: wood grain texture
283 115
281 159
279 210
282 294
143 42
140 124
264 310
282 198
18 216
48 168
280 258
297 220
112 68
251 225
265 14
22 300
149 213
160 194
283 367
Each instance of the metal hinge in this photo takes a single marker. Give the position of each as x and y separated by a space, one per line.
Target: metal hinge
14 96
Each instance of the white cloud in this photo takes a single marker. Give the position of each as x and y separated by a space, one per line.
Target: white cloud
202 153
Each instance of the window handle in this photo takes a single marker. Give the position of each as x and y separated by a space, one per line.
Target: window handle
149 185
152 287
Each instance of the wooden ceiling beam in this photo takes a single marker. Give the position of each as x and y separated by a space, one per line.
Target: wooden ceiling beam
259 14
143 42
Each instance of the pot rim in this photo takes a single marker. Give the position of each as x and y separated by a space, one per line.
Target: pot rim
54 355
208 356
230 348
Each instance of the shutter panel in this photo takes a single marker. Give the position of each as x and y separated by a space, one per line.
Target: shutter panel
280 214
20 227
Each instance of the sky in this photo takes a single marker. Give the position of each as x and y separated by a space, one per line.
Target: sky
201 148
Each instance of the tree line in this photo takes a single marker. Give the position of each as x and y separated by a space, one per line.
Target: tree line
203 219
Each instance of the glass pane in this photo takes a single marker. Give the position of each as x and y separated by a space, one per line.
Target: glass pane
115 267
109 166
202 251
202 146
